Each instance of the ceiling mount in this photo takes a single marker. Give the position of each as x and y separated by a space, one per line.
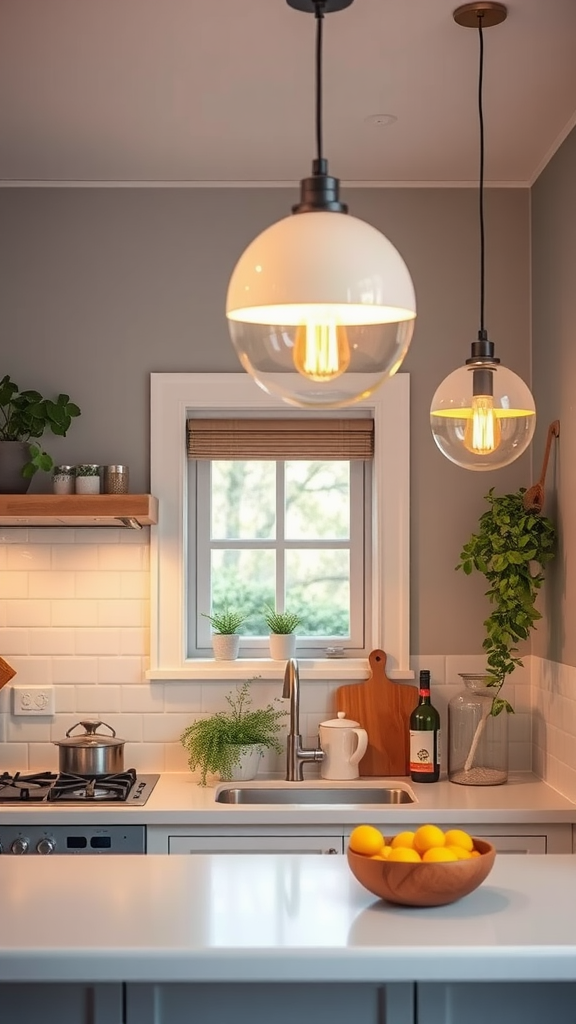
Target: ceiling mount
309 6
488 12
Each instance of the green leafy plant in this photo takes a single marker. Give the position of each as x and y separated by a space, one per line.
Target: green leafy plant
87 469
507 549
215 744
26 414
280 622
226 621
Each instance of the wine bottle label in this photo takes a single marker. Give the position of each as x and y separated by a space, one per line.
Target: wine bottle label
422 750
423 692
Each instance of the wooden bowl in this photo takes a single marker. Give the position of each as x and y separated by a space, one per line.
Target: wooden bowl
423 885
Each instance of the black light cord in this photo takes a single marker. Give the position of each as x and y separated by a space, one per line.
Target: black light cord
319 15
482 332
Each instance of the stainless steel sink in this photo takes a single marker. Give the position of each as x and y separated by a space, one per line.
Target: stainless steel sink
341 797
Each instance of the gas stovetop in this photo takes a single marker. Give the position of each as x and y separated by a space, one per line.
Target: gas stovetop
48 787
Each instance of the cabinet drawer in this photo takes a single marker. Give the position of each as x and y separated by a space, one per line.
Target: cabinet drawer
255 844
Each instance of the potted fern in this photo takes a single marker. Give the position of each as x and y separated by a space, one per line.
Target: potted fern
510 548
231 743
225 638
26 415
282 626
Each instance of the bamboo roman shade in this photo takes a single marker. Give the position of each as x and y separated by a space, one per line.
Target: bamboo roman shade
321 439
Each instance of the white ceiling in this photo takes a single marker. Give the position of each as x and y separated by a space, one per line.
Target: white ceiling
206 91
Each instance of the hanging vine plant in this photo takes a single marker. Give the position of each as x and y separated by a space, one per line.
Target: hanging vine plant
510 549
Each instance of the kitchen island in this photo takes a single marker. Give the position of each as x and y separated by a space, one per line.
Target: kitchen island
161 940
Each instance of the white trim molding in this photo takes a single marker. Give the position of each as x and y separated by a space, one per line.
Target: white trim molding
173 397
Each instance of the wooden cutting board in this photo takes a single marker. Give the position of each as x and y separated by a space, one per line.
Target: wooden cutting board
383 708
6 672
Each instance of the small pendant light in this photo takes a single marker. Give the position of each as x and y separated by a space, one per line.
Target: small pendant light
321 305
482 415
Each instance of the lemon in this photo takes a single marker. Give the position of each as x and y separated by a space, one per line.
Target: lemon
367 840
475 853
457 837
404 853
461 853
437 854
404 840
427 837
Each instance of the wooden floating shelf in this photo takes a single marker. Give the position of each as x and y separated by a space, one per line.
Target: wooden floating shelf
132 511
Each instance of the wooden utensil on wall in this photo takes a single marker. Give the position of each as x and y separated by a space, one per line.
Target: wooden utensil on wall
383 708
6 672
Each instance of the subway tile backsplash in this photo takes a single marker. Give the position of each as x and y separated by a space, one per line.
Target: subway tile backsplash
74 613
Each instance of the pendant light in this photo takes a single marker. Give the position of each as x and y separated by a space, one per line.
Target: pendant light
482 415
321 305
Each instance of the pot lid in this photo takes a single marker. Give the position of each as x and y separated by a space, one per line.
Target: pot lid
341 722
90 737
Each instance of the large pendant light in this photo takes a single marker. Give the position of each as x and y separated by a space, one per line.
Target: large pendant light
482 415
320 306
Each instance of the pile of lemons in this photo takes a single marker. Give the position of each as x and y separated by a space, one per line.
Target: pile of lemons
428 844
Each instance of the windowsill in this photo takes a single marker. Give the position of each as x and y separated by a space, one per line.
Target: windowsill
321 668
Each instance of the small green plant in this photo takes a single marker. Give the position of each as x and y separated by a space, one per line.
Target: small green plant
507 546
215 744
25 414
281 622
87 469
226 621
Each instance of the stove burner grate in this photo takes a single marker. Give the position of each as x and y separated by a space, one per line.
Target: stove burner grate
98 787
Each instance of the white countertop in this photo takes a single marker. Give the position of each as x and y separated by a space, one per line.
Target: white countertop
178 800
276 918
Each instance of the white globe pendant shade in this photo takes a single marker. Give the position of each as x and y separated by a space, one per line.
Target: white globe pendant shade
321 309
483 431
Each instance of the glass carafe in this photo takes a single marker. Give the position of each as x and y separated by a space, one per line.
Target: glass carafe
477 740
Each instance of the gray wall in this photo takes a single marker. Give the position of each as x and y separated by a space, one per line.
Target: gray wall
554 361
100 287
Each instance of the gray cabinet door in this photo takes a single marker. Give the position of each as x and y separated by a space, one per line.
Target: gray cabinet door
281 1003
497 1002
60 1003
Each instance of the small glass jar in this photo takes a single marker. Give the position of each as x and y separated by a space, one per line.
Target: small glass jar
477 740
87 479
63 479
115 479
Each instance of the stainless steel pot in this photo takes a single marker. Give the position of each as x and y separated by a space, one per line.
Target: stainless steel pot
91 752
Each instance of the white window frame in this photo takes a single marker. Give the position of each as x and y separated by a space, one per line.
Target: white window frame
174 396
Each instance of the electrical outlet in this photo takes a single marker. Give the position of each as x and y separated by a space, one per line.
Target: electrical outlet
33 700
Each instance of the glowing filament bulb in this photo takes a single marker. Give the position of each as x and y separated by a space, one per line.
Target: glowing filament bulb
483 433
321 350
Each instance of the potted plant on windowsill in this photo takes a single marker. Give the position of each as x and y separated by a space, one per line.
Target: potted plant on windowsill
231 743
25 415
282 626
225 638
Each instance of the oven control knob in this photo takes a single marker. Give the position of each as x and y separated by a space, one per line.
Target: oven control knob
45 846
20 845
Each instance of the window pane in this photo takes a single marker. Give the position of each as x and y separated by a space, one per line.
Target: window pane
318 589
245 580
243 500
317 500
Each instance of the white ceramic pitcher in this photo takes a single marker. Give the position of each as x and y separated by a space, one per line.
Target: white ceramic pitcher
344 744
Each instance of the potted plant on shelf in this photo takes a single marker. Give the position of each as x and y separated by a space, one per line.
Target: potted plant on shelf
25 415
510 549
282 626
231 743
225 638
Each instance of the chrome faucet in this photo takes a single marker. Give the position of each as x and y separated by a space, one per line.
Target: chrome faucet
296 756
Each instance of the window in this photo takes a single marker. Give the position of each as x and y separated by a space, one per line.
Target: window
287 524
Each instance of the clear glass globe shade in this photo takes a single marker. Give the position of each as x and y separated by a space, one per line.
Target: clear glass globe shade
482 432
321 309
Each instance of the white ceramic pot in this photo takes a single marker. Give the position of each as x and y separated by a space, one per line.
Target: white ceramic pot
344 744
282 646
225 646
248 763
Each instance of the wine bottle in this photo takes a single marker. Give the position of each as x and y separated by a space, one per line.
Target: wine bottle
424 736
